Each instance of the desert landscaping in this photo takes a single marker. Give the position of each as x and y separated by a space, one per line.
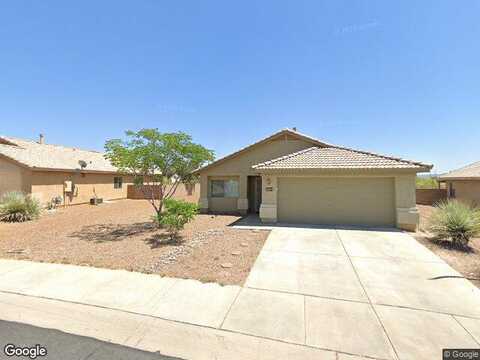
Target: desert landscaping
121 235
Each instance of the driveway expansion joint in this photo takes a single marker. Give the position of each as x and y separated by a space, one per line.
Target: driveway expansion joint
368 297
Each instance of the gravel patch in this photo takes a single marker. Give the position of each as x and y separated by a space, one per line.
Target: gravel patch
467 262
121 235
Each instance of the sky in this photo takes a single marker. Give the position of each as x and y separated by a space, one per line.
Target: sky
398 78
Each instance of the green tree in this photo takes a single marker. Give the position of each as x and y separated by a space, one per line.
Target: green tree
160 160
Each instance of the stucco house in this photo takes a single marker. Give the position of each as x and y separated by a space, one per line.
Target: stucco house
49 171
464 183
292 177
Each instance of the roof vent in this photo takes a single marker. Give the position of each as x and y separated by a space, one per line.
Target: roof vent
294 128
82 163
41 139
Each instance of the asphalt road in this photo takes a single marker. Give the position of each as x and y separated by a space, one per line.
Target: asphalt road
63 346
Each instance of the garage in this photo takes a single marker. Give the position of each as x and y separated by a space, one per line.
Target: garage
337 200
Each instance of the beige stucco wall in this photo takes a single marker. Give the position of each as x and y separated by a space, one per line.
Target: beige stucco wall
13 177
404 207
467 191
240 167
49 184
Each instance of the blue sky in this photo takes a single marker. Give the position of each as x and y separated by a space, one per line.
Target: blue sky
400 78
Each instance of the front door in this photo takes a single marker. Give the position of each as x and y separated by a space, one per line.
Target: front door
254 190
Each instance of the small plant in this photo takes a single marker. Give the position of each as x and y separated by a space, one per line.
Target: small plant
15 206
54 203
455 221
177 213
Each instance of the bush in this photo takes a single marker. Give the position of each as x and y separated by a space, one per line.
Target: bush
177 214
15 206
455 221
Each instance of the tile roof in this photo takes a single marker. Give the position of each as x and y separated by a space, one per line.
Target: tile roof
262 141
52 157
471 171
334 157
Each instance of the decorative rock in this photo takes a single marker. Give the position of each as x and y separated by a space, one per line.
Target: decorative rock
226 265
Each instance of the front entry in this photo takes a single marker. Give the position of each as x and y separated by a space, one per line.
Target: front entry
254 193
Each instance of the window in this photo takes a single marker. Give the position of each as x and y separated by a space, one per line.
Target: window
117 182
224 188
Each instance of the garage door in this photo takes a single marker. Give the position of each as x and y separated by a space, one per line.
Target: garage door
355 201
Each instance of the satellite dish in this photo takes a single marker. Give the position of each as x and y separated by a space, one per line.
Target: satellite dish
83 164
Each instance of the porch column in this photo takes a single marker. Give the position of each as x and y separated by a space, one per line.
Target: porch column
407 217
268 208
242 202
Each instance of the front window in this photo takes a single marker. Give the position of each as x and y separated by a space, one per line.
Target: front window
117 182
224 188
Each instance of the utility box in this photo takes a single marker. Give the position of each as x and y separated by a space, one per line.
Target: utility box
68 186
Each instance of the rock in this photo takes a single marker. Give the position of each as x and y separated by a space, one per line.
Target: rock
236 253
244 244
226 265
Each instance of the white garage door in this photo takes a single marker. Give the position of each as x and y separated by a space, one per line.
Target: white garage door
355 201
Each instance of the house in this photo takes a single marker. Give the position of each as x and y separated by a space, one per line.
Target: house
464 183
291 177
50 171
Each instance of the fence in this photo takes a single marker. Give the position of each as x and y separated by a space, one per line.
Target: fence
190 193
430 196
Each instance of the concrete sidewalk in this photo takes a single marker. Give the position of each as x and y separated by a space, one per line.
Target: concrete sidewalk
312 294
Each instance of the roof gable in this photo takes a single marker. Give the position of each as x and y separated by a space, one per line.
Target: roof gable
285 134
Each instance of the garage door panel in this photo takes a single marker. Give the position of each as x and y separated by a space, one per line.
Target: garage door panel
356 201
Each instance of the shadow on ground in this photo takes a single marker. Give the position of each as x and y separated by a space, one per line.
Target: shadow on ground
113 232
62 345
159 240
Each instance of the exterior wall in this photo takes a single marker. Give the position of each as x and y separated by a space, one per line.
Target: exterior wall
49 184
241 167
406 213
13 177
467 191
136 192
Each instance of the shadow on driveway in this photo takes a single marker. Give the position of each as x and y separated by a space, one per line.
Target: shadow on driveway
63 346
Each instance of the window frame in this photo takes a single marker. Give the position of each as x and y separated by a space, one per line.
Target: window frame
224 195
118 182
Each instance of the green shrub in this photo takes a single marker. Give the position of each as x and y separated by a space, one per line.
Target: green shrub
15 206
177 213
455 221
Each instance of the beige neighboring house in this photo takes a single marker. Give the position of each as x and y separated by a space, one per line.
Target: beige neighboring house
293 178
464 183
49 171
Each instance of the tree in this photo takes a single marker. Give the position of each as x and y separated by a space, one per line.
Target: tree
160 160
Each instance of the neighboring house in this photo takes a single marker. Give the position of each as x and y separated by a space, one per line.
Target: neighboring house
49 171
291 177
464 183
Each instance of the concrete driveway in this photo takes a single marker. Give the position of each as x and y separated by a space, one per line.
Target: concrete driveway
373 293
312 294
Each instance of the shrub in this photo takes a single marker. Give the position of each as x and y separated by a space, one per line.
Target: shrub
177 214
15 206
455 221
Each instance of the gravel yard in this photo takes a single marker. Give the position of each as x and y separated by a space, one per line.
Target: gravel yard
121 235
465 262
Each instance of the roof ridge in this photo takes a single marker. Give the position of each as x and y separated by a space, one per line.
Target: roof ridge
284 157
